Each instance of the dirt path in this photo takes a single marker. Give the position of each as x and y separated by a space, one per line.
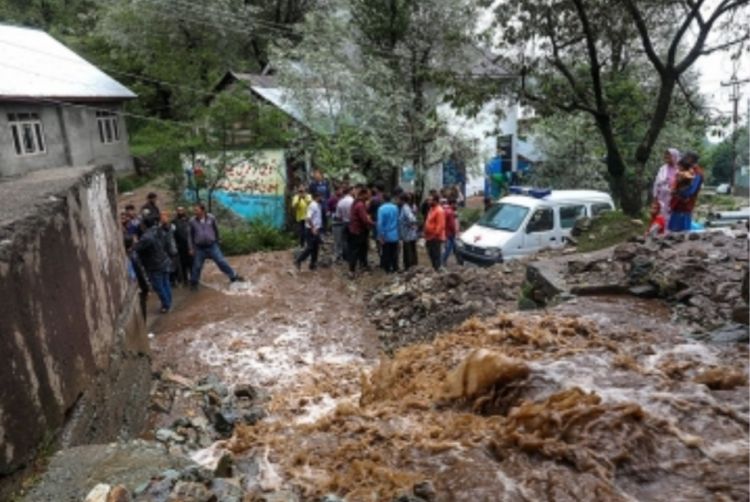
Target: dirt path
277 330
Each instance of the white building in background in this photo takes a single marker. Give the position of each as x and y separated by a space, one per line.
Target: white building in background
56 108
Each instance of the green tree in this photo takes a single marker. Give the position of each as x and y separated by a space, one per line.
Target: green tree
582 55
376 67
235 127
719 160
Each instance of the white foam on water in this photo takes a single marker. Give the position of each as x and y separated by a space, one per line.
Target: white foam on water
736 448
695 351
240 288
279 362
314 411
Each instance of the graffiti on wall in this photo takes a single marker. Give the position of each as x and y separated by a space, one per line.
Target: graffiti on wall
253 186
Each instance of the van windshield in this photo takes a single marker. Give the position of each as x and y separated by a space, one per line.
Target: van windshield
504 217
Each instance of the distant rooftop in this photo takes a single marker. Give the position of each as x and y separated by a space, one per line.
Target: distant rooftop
35 65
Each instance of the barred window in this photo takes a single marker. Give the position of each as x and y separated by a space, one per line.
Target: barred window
109 126
27 133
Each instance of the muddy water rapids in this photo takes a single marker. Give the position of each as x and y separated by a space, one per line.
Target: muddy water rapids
597 399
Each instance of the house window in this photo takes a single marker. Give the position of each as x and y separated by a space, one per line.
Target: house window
27 133
109 126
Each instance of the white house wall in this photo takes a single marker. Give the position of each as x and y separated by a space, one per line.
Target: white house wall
484 129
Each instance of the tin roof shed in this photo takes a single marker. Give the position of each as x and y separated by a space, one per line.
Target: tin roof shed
36 66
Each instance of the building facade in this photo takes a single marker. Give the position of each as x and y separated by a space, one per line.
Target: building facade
57 109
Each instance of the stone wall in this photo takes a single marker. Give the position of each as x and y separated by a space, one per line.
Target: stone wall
75 362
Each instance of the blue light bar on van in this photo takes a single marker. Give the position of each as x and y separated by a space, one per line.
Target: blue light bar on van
537 193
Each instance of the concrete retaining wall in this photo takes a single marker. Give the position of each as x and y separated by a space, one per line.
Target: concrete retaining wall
75 359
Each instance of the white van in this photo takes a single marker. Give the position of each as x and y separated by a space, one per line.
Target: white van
528 221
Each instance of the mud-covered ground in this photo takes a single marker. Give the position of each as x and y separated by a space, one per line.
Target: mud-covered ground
596 399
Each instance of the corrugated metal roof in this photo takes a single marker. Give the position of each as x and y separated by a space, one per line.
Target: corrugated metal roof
35 65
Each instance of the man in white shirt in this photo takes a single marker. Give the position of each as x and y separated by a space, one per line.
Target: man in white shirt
343 214
313 225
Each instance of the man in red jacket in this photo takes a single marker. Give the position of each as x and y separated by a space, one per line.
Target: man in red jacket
359 226
434 231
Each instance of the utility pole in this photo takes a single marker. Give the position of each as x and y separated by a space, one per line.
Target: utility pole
735 97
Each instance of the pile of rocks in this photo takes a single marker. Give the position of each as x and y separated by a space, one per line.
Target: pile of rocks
204 412
418 304
704 275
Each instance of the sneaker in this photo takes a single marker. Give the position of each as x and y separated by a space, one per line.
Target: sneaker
164 310
237 278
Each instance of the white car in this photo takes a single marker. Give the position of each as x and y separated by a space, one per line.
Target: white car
528 221
723 189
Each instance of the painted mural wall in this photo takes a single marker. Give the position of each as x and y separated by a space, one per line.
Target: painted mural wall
253 187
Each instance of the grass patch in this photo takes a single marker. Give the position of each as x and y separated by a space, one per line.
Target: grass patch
131 182
720 202
253 237
609 229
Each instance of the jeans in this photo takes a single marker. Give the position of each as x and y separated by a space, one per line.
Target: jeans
338 239
214 253
410 254
433 250
389 257
450 247
160 282
311 250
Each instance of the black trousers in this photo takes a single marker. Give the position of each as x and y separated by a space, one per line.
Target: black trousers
357 251
410 254
186 265
312 245
433 251
302 231
389 256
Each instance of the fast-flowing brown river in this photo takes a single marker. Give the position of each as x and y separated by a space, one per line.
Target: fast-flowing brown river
597 399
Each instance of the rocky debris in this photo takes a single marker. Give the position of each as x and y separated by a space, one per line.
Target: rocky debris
418 304
106 493
73 472
208 411
701 274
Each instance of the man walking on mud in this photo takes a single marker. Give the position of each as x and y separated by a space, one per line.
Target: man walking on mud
155 260
204 236
181 224
359 226
313 228
434 232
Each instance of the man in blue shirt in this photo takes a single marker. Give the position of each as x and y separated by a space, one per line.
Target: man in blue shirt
387 232
321 186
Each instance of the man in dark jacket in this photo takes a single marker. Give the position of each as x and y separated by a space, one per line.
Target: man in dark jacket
181 225
150 209
155 260
204 237
136 273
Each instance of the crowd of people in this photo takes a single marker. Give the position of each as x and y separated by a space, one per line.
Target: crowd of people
164 252
359 214
675 192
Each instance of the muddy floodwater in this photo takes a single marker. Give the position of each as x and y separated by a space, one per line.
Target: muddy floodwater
596 399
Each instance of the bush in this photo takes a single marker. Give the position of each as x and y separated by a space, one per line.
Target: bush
253 237
608 229
131 182
468 216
